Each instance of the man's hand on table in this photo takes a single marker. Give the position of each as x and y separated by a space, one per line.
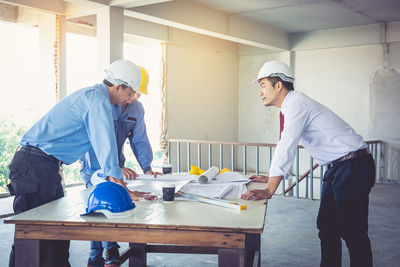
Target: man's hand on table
135 195
129 174
153 173
257 194
259 178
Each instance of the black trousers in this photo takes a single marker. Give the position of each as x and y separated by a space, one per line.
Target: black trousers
343 212
35 180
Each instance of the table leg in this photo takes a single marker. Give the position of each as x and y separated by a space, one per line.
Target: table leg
231 257
249 256
27 252
139 255
253 245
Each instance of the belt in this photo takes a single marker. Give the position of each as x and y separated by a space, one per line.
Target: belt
38 152
354 154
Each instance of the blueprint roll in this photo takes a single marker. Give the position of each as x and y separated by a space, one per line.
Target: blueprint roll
208 175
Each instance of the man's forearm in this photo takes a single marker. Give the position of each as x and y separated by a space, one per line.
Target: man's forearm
273 183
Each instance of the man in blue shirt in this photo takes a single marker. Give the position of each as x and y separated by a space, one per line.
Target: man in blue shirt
128 123
78 123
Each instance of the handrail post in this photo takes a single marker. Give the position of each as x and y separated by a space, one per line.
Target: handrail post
257 160
169 152
270 156
178 148
188 157
306 187
378 161
371 149
233 157
199 155
209 155
244 160
221 156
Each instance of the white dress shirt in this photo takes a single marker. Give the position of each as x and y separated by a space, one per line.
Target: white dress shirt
322 133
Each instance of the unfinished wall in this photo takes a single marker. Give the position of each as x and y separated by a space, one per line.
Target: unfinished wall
385 124
339 79
201 87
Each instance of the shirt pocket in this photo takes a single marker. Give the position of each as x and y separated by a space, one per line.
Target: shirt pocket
129 126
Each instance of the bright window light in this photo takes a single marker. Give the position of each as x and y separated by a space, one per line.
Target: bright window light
81 62
25 96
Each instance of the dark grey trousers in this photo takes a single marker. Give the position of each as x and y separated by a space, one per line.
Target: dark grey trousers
35 180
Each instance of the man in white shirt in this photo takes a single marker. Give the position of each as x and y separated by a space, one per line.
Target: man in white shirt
350 174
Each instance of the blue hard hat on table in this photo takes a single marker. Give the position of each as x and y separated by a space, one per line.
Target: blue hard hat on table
111 199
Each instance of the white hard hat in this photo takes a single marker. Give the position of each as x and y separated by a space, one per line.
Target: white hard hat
275 68
98 177
124 72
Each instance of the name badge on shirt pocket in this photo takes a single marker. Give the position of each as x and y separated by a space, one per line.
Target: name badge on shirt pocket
131 119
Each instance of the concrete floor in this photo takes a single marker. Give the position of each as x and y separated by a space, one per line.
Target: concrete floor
289 239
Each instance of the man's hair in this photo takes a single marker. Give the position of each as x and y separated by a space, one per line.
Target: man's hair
107 83
288 85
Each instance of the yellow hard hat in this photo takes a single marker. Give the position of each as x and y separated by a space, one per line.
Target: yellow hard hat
144 81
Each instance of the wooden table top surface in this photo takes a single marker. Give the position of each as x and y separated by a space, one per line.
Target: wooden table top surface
180 215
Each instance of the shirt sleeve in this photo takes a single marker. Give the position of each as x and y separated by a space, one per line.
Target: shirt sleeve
100 129
296 119
140 144
89 162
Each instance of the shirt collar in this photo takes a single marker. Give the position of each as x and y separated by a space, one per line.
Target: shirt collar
286 101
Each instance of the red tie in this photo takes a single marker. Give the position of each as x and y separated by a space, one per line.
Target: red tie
281 122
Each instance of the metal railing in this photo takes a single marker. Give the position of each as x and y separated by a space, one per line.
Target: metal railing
236 156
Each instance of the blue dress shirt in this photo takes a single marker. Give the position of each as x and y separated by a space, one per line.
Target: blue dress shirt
128 124
80 122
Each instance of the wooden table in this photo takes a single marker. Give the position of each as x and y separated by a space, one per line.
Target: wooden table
177 227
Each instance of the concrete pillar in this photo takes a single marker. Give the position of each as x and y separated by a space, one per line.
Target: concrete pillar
47 77
61 58
110 36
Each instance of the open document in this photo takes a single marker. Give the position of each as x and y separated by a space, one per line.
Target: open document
224 185
168 177
154 186
229 177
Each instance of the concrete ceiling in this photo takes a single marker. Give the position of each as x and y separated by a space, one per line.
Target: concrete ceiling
290 16
261 24
309 15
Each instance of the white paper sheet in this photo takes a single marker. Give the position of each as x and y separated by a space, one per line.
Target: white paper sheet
237 191
154 186
218 190
169 177
228 177
208 190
